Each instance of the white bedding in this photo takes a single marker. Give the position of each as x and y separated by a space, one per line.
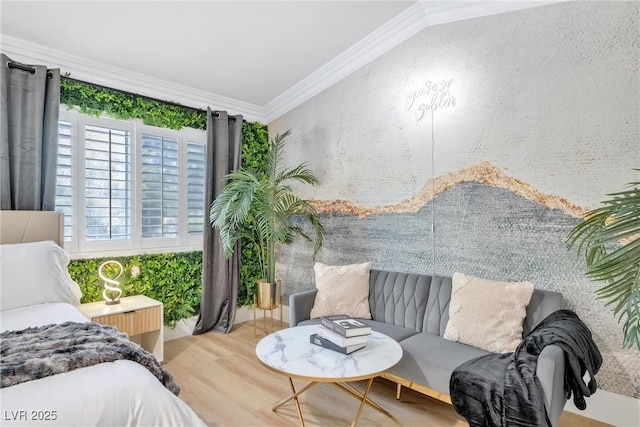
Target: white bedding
121 393
39 315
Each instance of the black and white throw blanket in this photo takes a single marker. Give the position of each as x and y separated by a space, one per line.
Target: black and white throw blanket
502 389
35 353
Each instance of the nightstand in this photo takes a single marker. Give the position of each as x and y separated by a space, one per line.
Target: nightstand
138 316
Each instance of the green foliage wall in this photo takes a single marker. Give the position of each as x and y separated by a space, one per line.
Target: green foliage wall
173 279
95 100
255 148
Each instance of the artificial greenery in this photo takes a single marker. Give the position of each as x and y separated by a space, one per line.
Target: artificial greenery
609 237
258 206
173 278
255 152
97 100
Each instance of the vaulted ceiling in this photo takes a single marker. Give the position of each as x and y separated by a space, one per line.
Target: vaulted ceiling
259 58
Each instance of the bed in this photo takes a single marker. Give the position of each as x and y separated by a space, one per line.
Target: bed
36 290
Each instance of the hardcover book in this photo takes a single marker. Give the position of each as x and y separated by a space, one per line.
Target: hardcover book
325 343
339 339
345 325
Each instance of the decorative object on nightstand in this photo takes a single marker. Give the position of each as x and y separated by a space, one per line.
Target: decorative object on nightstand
267 296
111 292
138 316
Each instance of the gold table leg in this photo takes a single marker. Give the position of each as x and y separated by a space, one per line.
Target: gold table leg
364 399
293 389
349 389
294 396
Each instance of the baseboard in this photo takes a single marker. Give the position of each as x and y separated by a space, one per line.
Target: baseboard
610 408
244 314
185 327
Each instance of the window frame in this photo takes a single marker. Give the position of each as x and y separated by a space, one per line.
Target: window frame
73 158
105 245
159 242
200 137
79 246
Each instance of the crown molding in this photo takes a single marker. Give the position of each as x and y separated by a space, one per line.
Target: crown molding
414 19
118 78
388 36
441 12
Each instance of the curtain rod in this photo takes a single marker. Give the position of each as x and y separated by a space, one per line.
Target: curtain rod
199 110
23 67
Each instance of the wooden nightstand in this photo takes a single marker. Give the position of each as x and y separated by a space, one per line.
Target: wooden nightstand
138 316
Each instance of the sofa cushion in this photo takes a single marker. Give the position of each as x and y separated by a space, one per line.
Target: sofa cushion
396 332
429 360
486 313
342 290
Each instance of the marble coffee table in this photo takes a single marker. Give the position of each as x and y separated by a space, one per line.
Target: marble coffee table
289 352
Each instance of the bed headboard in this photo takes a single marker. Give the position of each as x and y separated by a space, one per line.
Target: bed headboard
31 226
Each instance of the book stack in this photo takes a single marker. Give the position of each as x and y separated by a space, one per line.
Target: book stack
341 333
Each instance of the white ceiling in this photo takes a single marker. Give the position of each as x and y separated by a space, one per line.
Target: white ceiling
259 58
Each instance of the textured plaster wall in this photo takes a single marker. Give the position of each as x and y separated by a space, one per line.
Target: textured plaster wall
473 147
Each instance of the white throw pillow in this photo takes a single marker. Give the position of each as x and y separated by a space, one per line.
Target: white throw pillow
342 290
486 313
35 273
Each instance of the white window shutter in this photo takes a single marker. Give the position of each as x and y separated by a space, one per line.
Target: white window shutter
107 180
195 187
64 180
159 186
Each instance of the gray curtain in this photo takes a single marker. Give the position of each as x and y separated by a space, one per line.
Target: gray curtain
29 136
219 274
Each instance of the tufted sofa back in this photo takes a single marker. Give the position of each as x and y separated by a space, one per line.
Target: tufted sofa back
415 301
421 302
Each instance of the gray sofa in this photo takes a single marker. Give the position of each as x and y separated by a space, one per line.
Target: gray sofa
414 310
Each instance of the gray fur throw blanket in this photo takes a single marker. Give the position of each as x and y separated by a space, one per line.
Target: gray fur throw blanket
35 353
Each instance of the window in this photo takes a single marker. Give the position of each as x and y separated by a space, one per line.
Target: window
125 187
159 186
107 181
195 188
64 189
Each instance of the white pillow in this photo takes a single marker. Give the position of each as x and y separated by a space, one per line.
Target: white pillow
342 290
35 273
487 314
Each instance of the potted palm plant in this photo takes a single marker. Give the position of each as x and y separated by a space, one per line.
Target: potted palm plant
609 237
259 207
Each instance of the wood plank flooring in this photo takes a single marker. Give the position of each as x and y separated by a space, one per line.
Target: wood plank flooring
222 380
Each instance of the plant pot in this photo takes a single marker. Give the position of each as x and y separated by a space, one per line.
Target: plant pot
267 295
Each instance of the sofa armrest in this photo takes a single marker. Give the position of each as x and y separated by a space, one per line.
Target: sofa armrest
550 373
300 306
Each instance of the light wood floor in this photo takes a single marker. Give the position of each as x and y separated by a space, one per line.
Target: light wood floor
222 380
